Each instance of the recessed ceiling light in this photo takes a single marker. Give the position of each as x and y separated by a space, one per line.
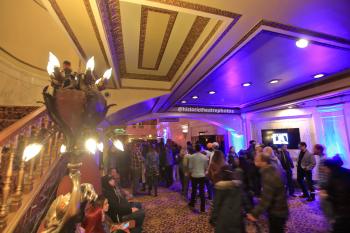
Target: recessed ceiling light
290 107
246 84
195 97
183 101
302 43
318 75
212 92
274 81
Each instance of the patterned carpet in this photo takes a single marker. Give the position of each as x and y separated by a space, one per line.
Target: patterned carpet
168 213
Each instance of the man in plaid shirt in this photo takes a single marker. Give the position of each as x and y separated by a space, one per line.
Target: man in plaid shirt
136 167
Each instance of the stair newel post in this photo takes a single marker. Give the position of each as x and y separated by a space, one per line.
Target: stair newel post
6 190
17 196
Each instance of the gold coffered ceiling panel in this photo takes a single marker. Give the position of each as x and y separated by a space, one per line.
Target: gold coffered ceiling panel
154 39
160 42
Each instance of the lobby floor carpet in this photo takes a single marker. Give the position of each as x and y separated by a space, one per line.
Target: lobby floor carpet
168 213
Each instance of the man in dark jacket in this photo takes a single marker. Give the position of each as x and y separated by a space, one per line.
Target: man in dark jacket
337 193
306 162
287 165
273 197
120 210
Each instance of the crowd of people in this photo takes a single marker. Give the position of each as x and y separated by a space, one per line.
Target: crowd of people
242 186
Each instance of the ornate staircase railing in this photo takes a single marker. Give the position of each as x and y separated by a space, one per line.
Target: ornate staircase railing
22 182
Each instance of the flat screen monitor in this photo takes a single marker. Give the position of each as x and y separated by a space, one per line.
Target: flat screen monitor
279 137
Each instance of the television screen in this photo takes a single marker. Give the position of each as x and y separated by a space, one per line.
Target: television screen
278 137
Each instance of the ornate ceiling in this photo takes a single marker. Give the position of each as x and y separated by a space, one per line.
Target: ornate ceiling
172 46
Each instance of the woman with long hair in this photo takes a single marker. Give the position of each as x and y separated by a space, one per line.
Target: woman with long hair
232 157
217 163
96 220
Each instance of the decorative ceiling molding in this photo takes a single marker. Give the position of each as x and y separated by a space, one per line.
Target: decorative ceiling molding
146 88
172 100
97 35
21 61
210 35
66 25
143 26
110 13
198 7
94 26
196 30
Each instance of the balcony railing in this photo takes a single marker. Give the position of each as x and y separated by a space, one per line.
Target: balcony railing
20 180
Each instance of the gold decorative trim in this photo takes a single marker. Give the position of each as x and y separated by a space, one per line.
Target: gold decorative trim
94 26
21 61
146 88
198 7
110 11
69 30
197 28
207 39
143 26
113 8
97 34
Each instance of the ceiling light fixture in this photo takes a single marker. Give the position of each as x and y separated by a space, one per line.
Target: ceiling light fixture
274 81
184 101
290 107
212 92
246 84
302 43
195 97
318 75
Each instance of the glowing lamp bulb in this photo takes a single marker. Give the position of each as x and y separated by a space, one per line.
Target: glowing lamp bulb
100 146
98 81
107 74
31 151
50 68
53 60
63 149
119 145
91 145
90 65
302 43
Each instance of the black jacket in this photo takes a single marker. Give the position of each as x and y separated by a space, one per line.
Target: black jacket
227 213
286 160
338 190
119 206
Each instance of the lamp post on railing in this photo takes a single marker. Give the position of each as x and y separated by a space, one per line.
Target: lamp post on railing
76 106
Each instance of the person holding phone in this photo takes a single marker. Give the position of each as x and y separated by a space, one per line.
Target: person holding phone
121 210
96 220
